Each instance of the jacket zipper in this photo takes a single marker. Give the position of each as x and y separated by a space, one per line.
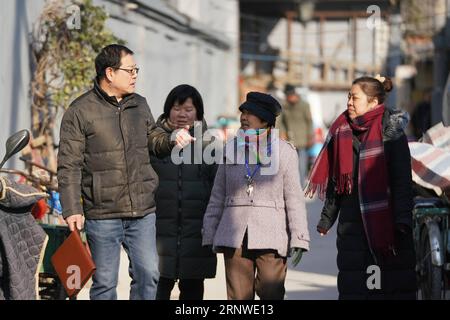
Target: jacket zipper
125 154
179 185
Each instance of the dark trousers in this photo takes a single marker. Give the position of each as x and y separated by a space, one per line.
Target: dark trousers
240 267
190 289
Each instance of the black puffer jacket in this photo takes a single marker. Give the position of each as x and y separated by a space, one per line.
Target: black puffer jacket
104 156
398 278
181 201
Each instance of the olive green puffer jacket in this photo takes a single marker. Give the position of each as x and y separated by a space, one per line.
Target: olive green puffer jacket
104 158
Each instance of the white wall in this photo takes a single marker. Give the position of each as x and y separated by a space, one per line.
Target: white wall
16 19
168 58
214 72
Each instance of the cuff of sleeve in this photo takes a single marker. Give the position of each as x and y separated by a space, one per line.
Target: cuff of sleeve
72 213
324 224
300 243
207 239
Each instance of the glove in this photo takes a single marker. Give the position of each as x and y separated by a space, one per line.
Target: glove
296 254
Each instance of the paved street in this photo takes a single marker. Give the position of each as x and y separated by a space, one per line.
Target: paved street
314 278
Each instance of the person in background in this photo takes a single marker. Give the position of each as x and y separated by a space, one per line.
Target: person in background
181 200
296 126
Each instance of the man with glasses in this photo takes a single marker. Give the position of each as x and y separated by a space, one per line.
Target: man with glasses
105 175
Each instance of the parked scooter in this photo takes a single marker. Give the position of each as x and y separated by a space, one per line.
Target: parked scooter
47 210
22 240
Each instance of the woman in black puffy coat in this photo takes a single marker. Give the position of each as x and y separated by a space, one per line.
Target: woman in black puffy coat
364 172
181 201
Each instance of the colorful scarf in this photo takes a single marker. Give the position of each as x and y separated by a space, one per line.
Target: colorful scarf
373 179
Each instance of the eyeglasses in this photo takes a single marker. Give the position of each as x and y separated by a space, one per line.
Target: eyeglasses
130 71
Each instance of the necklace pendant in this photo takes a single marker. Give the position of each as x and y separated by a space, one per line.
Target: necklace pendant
249 189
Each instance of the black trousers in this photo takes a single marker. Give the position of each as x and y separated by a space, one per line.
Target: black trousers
190 289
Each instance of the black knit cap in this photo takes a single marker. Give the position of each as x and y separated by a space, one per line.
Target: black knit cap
262 105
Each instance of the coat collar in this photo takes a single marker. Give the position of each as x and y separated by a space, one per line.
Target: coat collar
127 102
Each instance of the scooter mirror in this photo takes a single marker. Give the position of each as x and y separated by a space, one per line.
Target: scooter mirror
14 144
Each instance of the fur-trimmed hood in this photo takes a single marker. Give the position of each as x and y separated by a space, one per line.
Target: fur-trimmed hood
395 122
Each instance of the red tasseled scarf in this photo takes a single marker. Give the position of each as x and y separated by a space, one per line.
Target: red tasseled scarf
373 179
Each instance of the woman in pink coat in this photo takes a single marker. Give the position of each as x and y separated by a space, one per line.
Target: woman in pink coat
256 215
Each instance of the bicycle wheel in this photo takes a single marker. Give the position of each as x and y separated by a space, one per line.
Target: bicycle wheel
431 285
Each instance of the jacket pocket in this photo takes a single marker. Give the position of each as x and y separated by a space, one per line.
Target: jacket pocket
97 188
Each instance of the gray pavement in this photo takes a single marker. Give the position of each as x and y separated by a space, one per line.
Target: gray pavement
314 278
